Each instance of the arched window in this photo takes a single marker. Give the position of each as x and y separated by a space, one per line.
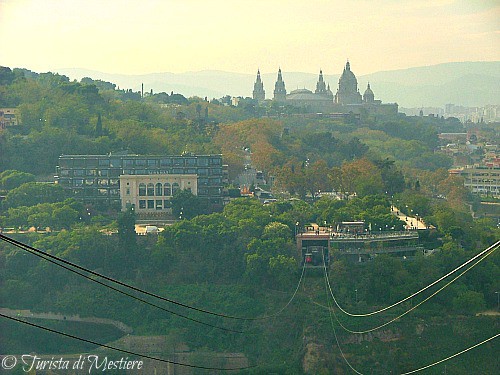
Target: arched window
175 188
158 189
151 189
142 190
167 190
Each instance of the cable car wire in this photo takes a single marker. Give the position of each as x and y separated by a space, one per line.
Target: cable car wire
330 310
495 245
123 350
127 294
26 247
452 356
412 308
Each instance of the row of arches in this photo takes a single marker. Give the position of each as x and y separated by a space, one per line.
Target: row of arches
159 189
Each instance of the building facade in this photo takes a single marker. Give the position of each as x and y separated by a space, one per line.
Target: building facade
148 194
8 117
95 179
481 179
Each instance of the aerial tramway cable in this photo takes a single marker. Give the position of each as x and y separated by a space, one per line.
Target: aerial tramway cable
123 350
495 245
412 308
43 253
331 310
125 293
452 356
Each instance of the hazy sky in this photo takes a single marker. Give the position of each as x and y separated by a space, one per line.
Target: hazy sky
145 36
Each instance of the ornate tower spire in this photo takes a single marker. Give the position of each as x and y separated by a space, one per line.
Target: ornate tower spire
279 88
320 85
258 89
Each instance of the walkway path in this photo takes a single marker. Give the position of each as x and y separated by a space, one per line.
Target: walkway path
72 318
411 222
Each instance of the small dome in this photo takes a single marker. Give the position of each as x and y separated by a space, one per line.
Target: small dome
368 91
301 91
368 96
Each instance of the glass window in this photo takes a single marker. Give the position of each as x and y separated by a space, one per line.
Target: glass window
142 190
92 163
65 163
191 171
142 203
152 162
140 162
127 191
203 171
104 162
79 172
103 172
175 188
202 162
79 162
164 161
102 192
90 192
151 189
151 204
167 190
158 205
140 171
114 181
167 204
89 182
78 182
91 172
115 163
128 162
178 171
158 189
102 182
64 182
190 161
178 161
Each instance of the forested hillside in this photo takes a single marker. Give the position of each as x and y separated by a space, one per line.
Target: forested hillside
242 261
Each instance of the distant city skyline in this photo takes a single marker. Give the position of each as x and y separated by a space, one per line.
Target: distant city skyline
139 37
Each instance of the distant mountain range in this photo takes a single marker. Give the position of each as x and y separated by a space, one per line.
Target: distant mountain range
460 83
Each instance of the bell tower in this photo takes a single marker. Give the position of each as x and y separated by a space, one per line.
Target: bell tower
258 89
279 88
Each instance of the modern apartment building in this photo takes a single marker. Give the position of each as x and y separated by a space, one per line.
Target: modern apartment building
481 179
95 179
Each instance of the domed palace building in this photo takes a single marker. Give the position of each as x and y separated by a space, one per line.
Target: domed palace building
347 99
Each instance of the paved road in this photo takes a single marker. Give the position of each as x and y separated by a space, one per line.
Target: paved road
72 318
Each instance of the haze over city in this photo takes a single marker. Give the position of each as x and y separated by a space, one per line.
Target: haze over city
139 37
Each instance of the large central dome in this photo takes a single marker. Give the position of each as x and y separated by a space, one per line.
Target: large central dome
347 92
